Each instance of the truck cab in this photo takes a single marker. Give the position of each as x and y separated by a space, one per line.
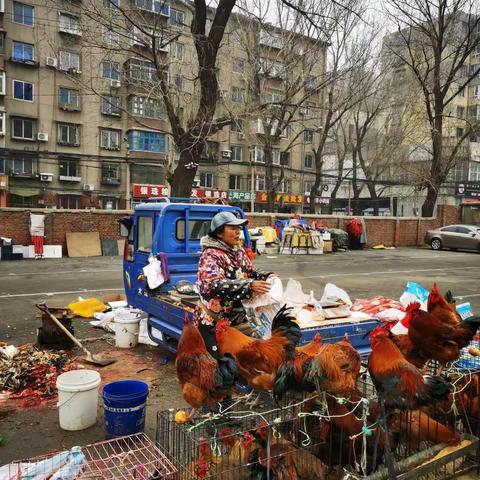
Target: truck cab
173 228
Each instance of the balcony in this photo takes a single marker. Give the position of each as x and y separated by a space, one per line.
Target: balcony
68 107
17 174
111 181
25 61
70 178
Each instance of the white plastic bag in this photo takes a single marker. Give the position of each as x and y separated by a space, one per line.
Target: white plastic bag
293 294
333 293
153 272
275 295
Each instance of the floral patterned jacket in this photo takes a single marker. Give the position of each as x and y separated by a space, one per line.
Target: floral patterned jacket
225 276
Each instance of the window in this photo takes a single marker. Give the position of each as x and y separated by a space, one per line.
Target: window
22 13
236 126
2 42
459 132
110 139
146 141
196 229
275 96
2 123
111 3
110 70
154 6
146 107
238 65
461 93
69 202
474 171
68 99
3 165
276 157
464 230
237 94
307 187
23 128
237 153
308 136
257 155
23 90
206 180
22 165
68 134
177 18
70 24
461 112
179 51
308 161
178 81
22 52
475 92
110 105
234 182
109 203
110 174
259 183
68 168
284 186
141 70
144 235
449 229
69 61
110 37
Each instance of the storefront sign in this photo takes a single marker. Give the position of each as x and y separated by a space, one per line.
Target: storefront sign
286 198
468 189
238 196
318 200
146 191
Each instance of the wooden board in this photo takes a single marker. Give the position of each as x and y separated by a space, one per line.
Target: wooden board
83 244
109 248
121 246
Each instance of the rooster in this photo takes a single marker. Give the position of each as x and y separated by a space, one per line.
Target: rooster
399 383
203 380
258 360
311 348
439 340
444 311
334 369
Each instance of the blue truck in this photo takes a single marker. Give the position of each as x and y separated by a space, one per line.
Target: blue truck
172 228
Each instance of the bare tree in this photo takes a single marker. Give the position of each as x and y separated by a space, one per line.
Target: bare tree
435 40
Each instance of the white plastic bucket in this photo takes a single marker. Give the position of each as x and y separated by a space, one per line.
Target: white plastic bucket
126 329
78 399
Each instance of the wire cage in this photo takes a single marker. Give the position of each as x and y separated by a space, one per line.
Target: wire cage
323 436
130 457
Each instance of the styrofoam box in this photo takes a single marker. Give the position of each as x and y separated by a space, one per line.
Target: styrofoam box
52 251
327 236
17 248
28 252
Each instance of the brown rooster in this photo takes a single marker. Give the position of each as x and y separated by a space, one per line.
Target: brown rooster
258 360
311 348
334 369
203 380
444 311
436 339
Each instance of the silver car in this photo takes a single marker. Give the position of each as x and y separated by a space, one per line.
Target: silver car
465 237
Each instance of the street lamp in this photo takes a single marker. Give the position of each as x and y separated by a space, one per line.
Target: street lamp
252 179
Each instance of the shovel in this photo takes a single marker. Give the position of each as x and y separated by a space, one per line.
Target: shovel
99 360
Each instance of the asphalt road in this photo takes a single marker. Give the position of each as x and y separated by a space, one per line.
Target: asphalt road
362 273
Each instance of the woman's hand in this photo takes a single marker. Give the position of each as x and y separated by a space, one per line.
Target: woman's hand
260 287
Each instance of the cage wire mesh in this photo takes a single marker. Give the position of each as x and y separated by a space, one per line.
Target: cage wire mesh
130 457
323 436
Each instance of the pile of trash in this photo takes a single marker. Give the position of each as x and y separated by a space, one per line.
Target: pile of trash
27 371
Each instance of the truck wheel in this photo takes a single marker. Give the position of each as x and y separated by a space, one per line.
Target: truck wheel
436 244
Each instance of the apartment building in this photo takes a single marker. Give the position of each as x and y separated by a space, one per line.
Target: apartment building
82 127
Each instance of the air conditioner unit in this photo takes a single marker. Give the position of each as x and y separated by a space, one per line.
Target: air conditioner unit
46 177
42 137
52 62
88 187
2 6
226 153
115 83
74 70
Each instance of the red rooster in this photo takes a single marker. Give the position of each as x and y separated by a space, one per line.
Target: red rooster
397 381
202 378
444 311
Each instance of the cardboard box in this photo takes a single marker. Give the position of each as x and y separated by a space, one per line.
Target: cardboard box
114 297
327 246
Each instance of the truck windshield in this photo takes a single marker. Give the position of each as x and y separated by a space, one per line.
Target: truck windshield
196 228
144 239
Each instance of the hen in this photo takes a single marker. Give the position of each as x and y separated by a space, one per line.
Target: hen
444 311
436 339
258 360
202 379
399 383
334 369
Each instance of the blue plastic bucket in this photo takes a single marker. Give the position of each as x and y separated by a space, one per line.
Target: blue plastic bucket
124 407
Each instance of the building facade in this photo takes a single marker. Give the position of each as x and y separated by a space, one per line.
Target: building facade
82 127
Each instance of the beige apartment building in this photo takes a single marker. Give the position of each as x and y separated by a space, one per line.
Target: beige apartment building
80 128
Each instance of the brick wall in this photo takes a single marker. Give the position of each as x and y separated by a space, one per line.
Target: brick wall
396 231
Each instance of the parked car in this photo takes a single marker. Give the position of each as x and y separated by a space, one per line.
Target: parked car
465 237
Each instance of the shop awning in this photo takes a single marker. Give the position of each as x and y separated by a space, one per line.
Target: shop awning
24 191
